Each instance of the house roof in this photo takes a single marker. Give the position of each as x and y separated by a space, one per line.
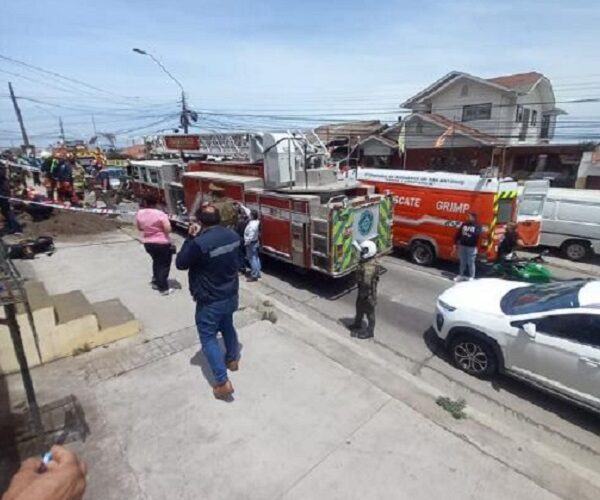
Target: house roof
520 82
459 128
383 140
136 152
353 130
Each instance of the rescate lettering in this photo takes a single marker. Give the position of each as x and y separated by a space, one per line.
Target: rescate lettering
408 201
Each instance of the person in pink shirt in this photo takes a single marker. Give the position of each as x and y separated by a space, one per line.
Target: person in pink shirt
155 227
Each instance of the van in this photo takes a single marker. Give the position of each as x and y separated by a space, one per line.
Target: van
571 222
429 207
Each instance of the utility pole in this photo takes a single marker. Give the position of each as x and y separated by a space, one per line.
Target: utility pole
62 129
184 114
19 117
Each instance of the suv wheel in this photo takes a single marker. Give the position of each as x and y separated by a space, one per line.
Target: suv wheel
474 355
575 250
422 253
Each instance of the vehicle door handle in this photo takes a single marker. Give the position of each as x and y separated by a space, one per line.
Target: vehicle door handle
590 362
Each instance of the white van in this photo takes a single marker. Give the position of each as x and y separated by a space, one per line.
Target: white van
571 221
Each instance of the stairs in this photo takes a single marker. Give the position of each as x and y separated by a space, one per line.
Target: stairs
66 324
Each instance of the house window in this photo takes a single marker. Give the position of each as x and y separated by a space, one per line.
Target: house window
519 115
533 118
464 91
477 112
419 127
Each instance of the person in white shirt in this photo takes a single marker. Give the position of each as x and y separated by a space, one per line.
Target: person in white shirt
251 237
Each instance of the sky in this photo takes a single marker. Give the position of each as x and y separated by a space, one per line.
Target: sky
249 65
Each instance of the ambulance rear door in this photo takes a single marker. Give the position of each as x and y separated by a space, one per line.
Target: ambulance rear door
530 208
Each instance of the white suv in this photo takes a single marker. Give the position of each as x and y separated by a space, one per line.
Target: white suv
548 335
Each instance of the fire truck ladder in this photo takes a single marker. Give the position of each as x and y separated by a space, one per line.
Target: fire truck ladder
235 145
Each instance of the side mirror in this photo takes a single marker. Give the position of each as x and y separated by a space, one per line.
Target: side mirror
530 330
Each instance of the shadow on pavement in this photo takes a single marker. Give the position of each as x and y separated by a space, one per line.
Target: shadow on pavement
200 360
570 412
317 283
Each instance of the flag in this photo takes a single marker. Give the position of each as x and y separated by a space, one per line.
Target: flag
441 140
401 140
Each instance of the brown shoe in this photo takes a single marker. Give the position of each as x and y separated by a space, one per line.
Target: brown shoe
223 391
233 366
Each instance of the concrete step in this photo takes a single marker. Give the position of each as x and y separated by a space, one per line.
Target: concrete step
70 306
115 322
37 295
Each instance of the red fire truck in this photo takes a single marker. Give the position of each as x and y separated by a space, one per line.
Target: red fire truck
309 217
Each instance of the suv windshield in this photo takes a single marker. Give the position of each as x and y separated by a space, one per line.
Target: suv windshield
541 298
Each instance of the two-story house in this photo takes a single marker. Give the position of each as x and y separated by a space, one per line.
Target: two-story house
469 122
514 109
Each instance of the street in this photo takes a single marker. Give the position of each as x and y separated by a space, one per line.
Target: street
407 295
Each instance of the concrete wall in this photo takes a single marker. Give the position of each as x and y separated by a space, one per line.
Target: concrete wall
426 135
450 101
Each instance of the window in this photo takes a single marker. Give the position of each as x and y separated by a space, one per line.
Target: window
153 176
531 205
519 115
419 127
477 112
545 130
505 211
582 328
533 118
541 298
135 172
464 91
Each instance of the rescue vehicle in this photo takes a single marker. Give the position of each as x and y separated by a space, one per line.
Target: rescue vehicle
430 206
309 217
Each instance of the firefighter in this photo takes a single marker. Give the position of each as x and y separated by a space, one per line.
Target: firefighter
78 181
225 205
367 277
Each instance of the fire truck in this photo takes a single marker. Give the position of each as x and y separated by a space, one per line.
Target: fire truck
430 206
310 218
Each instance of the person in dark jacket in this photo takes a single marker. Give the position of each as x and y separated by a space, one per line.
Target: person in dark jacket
510 241
467 240
211 257
11 225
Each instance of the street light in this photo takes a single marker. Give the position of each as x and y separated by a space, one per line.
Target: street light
185 113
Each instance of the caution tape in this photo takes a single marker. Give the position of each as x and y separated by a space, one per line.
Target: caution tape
30 168
62 206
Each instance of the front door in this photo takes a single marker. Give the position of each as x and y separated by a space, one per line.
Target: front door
564 355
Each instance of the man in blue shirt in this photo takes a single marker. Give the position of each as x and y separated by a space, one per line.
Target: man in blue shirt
467 239
211 255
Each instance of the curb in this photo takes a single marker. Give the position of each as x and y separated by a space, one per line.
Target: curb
588 268
513 449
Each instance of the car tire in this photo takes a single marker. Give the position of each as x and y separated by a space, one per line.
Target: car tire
575 250
422 253
474 355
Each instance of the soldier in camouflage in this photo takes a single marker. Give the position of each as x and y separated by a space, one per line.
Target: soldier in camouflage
367 278
226 207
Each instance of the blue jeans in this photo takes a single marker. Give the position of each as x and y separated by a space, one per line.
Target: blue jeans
467 256
210 320
254 259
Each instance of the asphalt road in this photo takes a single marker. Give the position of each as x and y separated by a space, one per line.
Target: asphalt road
406 301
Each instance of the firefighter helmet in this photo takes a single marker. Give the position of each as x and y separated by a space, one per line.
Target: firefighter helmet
368 249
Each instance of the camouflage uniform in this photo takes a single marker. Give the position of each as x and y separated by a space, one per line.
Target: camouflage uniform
227 211
367 278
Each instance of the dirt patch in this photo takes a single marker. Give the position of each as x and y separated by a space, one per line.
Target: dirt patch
67 223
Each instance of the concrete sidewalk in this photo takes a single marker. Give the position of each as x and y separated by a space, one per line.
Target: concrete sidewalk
300 426
309 419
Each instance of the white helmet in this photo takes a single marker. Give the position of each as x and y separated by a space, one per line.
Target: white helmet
368 249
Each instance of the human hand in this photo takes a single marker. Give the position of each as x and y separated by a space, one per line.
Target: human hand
63 478
194 229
